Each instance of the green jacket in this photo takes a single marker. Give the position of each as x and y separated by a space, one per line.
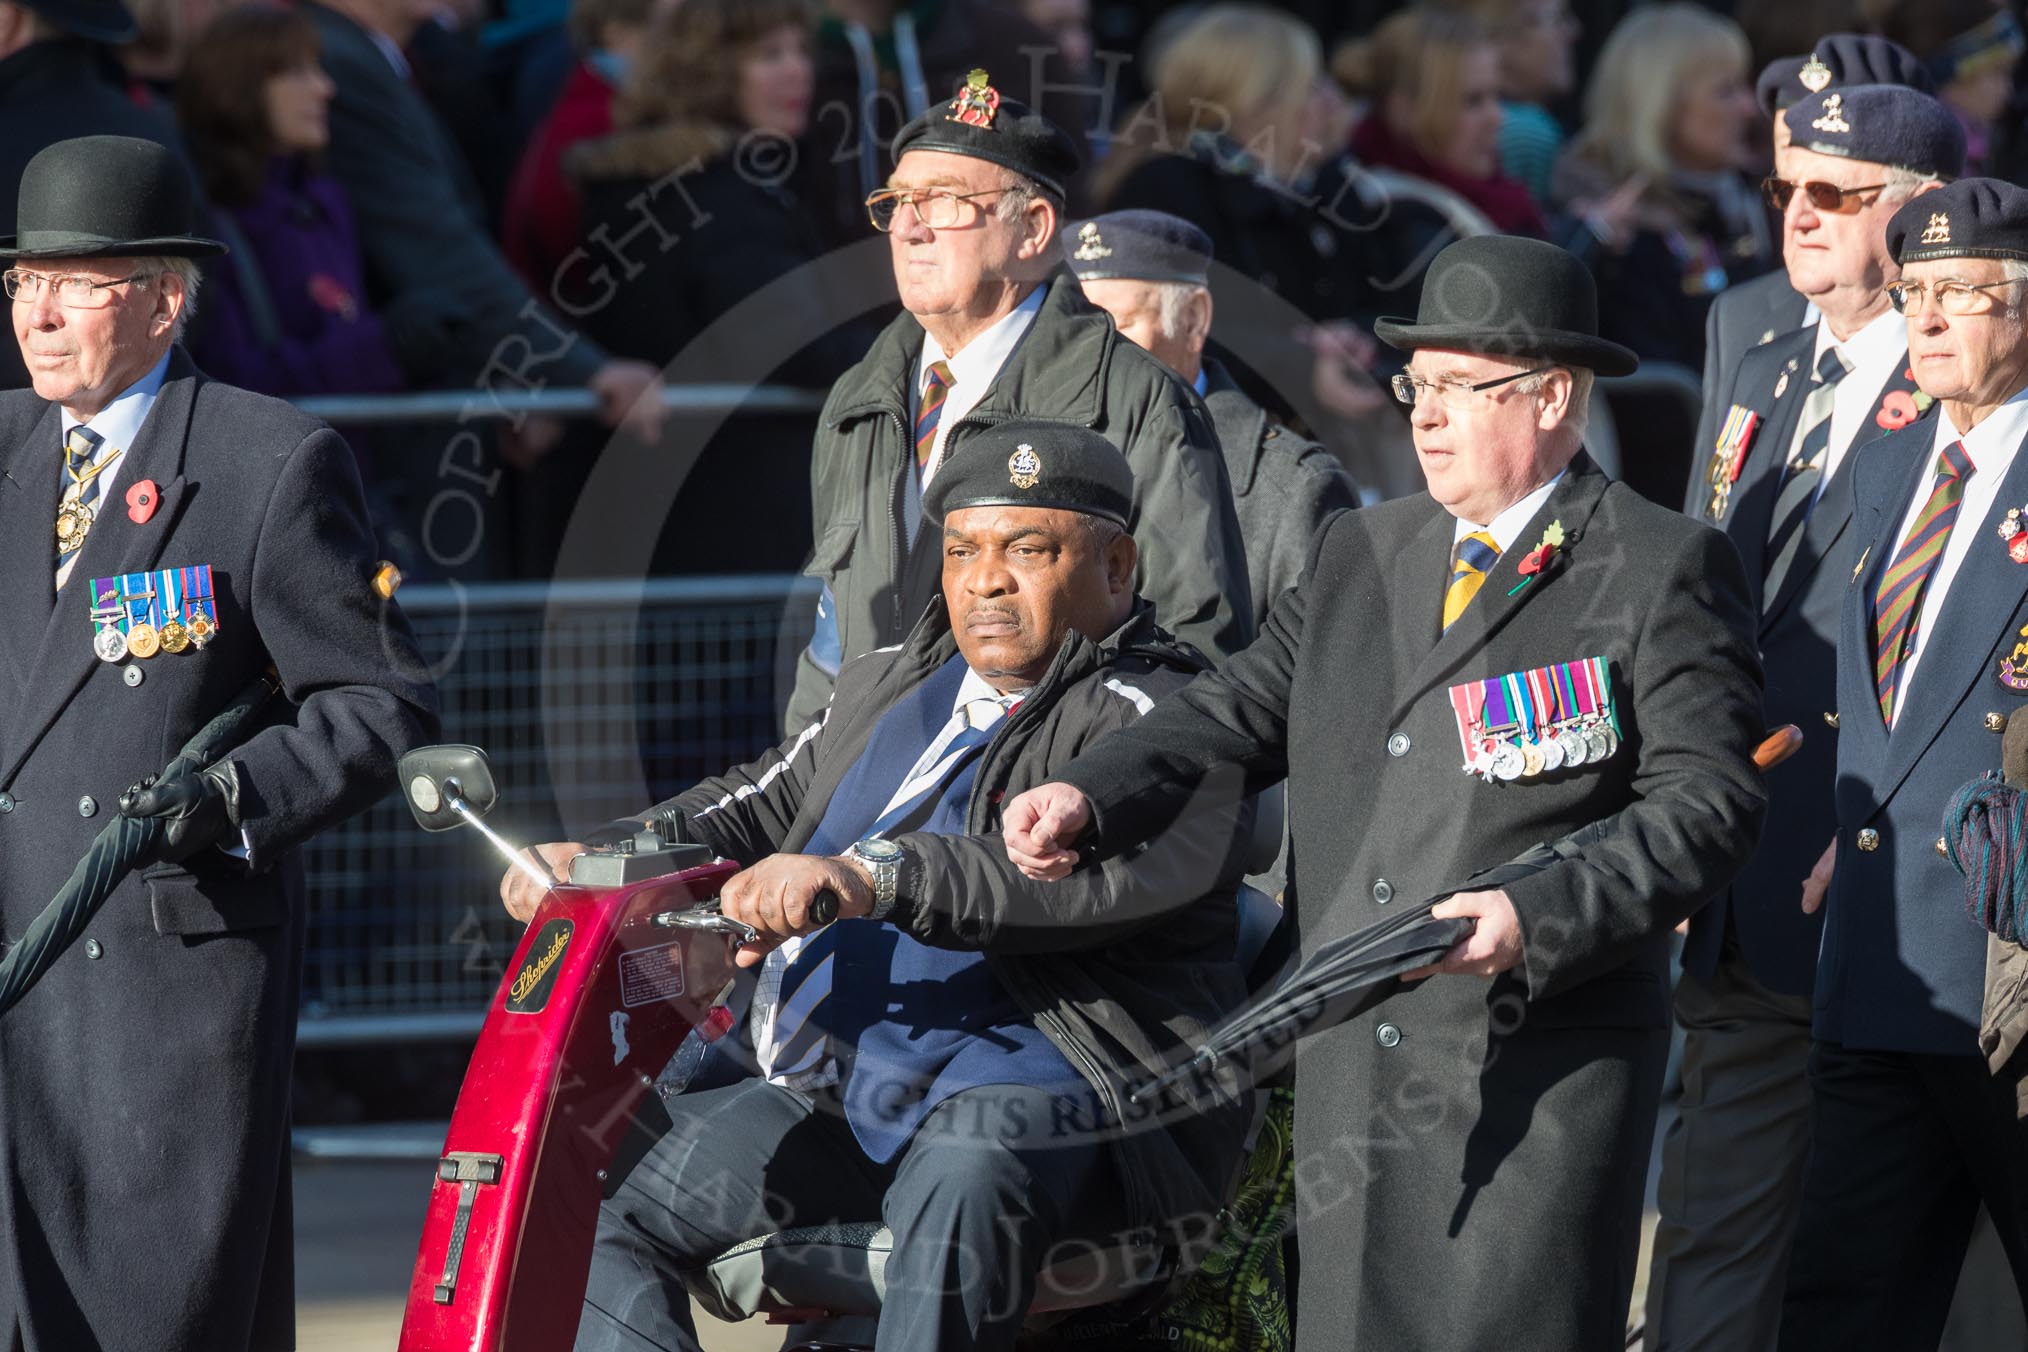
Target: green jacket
1071 366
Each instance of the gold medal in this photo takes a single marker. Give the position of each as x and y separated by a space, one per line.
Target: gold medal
1531 760
73 523
175 638
201 630
143 640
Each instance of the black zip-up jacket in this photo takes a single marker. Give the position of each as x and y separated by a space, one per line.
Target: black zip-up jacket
1123 966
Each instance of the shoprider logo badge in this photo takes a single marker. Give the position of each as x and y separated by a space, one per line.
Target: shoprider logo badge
532 984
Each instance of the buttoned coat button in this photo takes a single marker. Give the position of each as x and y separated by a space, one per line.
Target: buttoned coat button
133 675
1387 1035
94 949
6 802
1397 745
1996 722
1869 840
1383 891
1943 847
87 806
1830 720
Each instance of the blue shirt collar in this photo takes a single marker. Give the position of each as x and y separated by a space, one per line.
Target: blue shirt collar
120 421
1202 385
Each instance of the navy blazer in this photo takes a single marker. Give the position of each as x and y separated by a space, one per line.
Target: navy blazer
1798 637
144 1084
1903 966
1741 318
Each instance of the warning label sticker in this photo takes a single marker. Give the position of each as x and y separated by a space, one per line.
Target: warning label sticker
651 974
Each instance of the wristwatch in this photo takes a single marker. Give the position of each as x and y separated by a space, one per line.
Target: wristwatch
881 858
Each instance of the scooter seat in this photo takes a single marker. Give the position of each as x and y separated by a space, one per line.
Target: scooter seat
842 1270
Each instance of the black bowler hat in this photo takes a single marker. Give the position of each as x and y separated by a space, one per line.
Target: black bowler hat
100 20
1510 297
1139 245
980 123
1839 60
105 197
1035 464
1886 124
1971 218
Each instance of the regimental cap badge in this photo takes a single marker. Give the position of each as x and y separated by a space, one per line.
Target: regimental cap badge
1833 119
1815 76
1938 231
1091 246
1024 467
977 101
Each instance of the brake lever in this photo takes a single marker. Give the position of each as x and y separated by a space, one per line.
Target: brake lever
706 916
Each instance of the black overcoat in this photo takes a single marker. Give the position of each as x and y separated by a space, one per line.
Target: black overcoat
144 1084
1471 1155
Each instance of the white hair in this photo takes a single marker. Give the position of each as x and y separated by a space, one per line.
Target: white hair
1172 304
1579 417
1901 184
2013 270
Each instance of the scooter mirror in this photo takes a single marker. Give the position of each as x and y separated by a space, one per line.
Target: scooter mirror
431 776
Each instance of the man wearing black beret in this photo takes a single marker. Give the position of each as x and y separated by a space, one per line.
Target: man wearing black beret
965 1083
1524 652
998 329
1911 1131
1778 481
1150 271
1753 312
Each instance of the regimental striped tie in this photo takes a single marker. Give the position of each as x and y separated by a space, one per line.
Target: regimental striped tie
1803 475
936 388
1897 603
80 448
1471 560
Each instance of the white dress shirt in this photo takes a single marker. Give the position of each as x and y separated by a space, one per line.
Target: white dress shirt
118 423
973 370
1991 446
1872 356
1508 524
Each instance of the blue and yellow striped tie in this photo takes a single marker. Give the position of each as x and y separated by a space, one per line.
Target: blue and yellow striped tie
1473 558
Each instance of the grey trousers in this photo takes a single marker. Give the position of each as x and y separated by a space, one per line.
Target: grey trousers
983 1190
1732 1165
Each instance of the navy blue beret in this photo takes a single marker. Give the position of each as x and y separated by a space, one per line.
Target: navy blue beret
1839 60
1886 124
1971 218
980 123
1139 245
1034 464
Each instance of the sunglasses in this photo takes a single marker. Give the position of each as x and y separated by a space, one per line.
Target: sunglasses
1823 196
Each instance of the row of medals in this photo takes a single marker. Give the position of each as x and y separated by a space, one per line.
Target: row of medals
1573 744
145 640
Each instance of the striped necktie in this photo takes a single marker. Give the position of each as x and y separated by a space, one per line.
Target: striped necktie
1471 559
1804 474
936 388
1897 603
795 980
80 449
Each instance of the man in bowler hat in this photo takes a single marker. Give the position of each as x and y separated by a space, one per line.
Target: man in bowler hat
164 539
1523 652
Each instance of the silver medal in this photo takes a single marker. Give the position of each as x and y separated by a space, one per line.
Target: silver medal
110 644
1552 752
1508 762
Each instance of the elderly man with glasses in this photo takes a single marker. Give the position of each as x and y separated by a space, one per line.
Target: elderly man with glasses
996 329
1525 653
1911 1129
1777 479
165 538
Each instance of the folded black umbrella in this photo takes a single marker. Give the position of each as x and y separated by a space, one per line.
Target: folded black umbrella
1347 976
124 844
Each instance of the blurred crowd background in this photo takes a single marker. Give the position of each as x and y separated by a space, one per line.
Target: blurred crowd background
421 195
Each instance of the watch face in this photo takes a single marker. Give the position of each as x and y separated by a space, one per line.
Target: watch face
880 850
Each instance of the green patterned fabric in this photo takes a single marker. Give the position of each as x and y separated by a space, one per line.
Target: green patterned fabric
1237 1300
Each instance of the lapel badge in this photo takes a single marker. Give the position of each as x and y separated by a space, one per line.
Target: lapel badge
1860 566
1024 467
2014 530
976 103
1538 558
2014 666
1938 231
1833 119
141 500
1782 381
1815 76
1091 246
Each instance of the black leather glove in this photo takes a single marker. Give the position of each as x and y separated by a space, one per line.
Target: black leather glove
199 809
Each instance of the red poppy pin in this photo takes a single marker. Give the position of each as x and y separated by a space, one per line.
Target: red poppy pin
141 500
1899 408
1536 559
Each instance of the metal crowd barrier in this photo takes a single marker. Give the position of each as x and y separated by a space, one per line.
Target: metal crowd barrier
421 406
407 940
